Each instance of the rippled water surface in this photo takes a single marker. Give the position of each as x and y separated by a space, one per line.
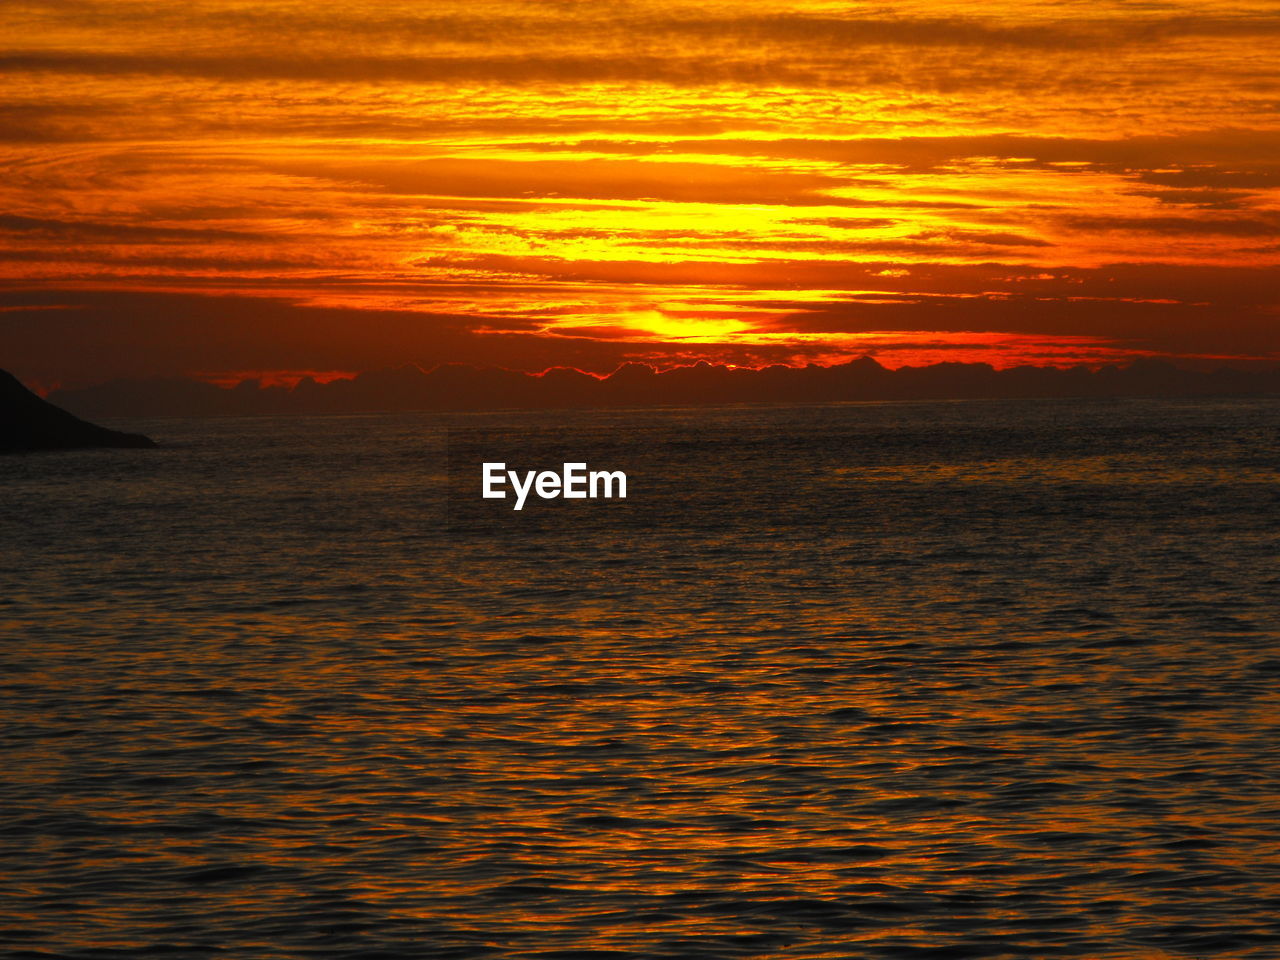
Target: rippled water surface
886 681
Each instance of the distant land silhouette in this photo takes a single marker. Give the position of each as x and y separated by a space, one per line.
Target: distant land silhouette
461 387
29 423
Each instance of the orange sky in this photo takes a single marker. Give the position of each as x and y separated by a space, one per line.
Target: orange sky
217 186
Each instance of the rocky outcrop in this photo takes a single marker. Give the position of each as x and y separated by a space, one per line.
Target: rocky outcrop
29 423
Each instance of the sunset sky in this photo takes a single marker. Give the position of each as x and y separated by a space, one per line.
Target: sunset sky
223 189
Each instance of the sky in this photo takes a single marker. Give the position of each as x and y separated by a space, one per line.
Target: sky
278 188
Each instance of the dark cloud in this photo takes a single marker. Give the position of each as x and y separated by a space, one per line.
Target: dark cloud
823 63
192 145
1262 178
586 179
1205 198
108 264
99 334
463 387
120 232
640 24
1254 226
1162 327
568 68
88 336
951 243
1143 154
991 238
1229 285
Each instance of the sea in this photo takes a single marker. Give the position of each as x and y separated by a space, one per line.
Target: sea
899 681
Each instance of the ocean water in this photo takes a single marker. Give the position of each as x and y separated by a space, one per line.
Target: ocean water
914 680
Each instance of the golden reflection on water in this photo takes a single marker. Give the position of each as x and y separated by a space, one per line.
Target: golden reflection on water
1102 470
845 717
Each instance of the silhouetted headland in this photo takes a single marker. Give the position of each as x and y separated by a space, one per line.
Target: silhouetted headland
29 423
461 387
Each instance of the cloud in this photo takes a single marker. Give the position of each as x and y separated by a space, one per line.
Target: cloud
523 184
583 179
102 334
96 334
1254 226
461 387
123 232
1139 153
1263 178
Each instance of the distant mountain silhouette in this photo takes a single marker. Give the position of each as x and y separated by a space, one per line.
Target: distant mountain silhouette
29 423
460 387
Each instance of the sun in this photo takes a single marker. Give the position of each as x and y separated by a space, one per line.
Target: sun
687 329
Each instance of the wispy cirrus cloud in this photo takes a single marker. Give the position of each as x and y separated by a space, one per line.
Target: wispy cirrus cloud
512 182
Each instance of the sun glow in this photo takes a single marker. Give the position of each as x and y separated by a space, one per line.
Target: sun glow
534 181
685 329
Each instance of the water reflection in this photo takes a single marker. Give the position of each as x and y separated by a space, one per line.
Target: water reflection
877 681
